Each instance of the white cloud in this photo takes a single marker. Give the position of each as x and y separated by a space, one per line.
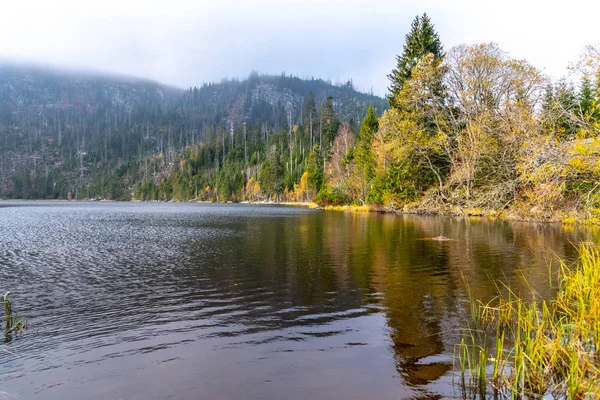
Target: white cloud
186 43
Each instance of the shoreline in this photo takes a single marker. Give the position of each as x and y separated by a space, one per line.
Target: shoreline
505 215
456 212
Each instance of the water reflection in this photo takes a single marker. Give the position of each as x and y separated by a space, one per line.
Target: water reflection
329 263
165 300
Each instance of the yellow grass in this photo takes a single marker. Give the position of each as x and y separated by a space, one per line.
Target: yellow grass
349 208
540 348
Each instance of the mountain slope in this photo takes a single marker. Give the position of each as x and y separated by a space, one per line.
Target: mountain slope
92 135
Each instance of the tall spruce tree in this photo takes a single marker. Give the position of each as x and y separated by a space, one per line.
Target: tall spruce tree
420 41
363 154
549 110
331 124
310 109
586 97
314 168
589 107
271 174
565 100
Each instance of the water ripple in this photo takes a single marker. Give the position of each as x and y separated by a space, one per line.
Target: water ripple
159 300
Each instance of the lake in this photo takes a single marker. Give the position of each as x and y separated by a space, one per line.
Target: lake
182 301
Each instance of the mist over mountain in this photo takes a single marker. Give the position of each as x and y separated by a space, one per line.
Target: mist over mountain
92 134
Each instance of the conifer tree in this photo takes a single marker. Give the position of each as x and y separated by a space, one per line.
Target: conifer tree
271 174
586 97
310 109
589 102
363 154
315 169
331 123
420 41
548 110
565 101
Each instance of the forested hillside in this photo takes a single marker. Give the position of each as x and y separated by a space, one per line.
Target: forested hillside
468 130
81 135
472 130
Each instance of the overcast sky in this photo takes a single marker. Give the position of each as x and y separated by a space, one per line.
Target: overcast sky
186 43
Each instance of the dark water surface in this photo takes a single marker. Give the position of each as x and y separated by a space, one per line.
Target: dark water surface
188 301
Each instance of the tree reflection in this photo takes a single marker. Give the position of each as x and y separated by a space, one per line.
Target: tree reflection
324 263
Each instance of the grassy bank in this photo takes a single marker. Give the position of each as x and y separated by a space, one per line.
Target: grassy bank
509 214
535 348
350 208
571 218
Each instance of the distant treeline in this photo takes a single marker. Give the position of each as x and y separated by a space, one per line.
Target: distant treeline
83 136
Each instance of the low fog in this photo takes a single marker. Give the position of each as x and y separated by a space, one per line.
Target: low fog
185 43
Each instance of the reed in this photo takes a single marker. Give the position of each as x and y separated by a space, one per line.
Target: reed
14 324
540 348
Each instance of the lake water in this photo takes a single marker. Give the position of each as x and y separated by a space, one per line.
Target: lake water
190 301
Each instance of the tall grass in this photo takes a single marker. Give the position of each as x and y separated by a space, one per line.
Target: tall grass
535 348
14 324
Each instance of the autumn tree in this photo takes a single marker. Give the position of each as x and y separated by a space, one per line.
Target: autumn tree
565 173
559 113
251 189
301 189
338 168
410 142
492 101
588 116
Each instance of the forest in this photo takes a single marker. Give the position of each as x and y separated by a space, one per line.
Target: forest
466 130
88 137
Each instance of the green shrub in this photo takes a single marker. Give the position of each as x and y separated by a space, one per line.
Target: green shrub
330 197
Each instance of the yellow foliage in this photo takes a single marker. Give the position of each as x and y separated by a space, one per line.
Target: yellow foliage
300 192
251 189
585 147
250 185
304 181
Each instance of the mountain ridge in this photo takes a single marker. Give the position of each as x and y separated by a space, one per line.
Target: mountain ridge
76 129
